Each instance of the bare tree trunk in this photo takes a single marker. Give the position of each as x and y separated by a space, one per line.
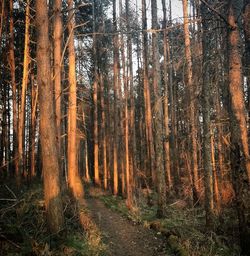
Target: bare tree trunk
147 100
246 20
2 18
52 193
235 88
158 117
190 86
13 84
104 135
206 92
21 123
34 97
217 204
240 159
95 99
115 85
165 100
57 30
75 183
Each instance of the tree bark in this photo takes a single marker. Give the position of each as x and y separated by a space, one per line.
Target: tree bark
240 160
12 64
158 117
115 85
21 122
165 100
52 193
206 109
192 110
147 100
57 40
75 183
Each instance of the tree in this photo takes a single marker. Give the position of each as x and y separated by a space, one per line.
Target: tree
75 183
192 115
240 159
57 31
21 121
206 110
115 88
147 99
12 64
52 193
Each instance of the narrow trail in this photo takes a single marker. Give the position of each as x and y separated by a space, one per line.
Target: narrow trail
122 237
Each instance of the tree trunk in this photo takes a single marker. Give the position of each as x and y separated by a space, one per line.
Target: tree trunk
206 92
147 100
192 110
165 101
115 85
13 84
246 20
95 99
240 160
75 183
53 202
158 117
21 123
34 96
57 30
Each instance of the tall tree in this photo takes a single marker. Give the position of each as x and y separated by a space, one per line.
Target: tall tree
115 88
75 183
246 20
95 99
52 193
192 113
147 99
57 40
158 116
12 64
21 121
206 110
240 159
166 95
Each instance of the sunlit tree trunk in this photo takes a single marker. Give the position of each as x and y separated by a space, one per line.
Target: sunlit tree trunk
190 86
95 100
115 85
147 100
235 88
240 159
21 122
53 202
57 40
165 100
86 155
75 183
104 135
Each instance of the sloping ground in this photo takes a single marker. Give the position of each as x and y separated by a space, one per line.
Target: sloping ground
122 237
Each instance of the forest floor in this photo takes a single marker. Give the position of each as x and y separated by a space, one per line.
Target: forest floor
115 230
124 237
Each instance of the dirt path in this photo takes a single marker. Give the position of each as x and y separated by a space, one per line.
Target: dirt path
122 236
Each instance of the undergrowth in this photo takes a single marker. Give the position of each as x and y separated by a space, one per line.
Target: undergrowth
23 229
184 228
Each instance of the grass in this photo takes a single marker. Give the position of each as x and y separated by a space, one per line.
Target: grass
184 228
23 229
